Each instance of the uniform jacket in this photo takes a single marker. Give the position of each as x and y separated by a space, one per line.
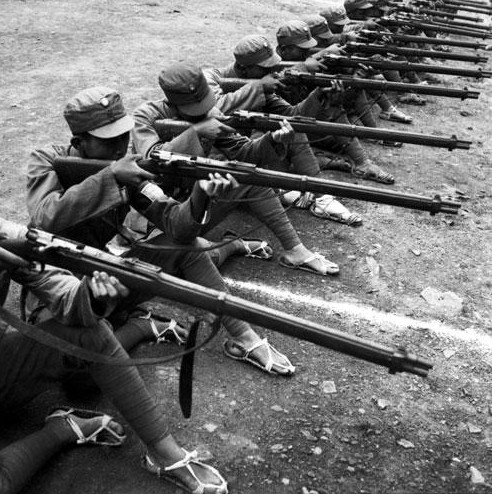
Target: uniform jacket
93 211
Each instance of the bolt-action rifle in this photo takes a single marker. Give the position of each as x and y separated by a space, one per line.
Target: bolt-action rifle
463 6
465 26
294 77
428 26
432 12
72 171
354 47
357 62
423 40
245 120
149 279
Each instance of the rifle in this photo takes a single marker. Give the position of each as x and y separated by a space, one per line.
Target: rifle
438 13
141 277
71 171
264 121
354 47
382 65
294 77
465 26
423 26
464 6
424 40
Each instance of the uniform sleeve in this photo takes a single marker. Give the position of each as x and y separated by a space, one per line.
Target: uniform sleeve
55 209
309 107
250 97
145 137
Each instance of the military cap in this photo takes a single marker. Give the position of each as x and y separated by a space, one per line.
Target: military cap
255 50
351 5
318 26
185 86
335 14
98 111
295 33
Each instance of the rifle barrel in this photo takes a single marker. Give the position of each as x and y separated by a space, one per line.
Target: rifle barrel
439 13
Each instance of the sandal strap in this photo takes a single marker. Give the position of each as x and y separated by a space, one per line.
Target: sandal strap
160 336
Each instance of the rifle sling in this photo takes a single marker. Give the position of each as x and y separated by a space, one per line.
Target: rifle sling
57 343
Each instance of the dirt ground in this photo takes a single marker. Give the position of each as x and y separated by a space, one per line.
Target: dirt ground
340 425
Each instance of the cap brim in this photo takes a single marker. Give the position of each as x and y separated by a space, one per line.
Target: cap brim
366 6
272 61
342 22
200 108
114 129
326 35
310 43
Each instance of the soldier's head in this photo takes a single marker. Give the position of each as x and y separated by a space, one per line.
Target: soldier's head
294 41
186 88
255 57
336 16
99 123
359 10
320 31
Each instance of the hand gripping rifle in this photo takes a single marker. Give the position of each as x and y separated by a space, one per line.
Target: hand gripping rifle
353 47
422 40
381 65
318 79
146 278
71 171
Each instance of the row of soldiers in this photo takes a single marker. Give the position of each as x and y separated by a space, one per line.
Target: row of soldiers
134 213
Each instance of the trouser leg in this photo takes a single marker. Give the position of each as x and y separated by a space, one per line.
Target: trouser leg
193 266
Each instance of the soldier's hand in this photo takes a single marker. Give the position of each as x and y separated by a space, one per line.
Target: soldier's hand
107 290
313 65
285 134
127 172
335 49
350 36
270 84
212 128
216 184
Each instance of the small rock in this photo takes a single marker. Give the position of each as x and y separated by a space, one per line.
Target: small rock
351 469
308 435
405 444
445 301
276 448
210 427
328 387
285 481
317 451
415 252
448 353
383 404
276 408
313 383
473 429
351 258
465 113
476 476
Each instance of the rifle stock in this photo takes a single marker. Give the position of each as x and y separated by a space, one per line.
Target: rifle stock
164 163
149 279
